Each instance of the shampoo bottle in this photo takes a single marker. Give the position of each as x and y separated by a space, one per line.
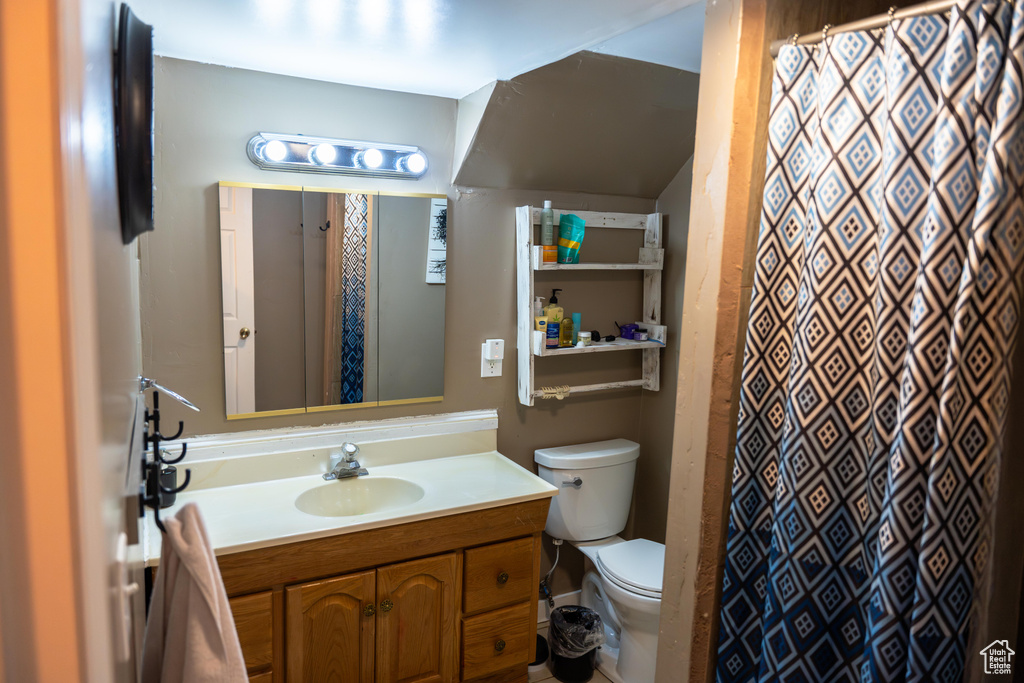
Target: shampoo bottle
549 252
565 334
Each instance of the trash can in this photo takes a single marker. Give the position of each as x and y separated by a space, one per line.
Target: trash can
575 633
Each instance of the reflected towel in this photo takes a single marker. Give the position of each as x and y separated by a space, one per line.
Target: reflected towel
190 633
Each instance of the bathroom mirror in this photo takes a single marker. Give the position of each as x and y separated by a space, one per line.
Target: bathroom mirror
331 299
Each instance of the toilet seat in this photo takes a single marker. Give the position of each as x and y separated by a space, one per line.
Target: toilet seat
636 566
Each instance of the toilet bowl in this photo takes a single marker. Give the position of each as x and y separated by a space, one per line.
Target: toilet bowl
624 587
623 578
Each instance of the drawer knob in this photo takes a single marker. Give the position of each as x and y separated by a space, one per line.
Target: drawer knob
503 578
386 605
500 645
369 611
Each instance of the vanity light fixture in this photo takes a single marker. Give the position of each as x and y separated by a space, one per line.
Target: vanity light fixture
324 153
275 150
371 158
307 154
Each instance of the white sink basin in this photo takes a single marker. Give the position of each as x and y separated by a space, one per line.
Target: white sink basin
358 496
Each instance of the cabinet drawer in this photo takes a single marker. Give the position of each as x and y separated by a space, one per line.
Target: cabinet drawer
495 641
254 621
498 575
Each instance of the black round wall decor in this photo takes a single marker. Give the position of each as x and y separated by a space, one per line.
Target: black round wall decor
133 121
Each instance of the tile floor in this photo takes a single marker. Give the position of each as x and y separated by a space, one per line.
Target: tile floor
598 678
548 677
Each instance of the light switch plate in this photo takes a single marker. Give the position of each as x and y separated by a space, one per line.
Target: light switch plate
488 368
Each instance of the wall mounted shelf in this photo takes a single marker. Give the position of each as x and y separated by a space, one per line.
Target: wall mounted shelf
650 260
598 347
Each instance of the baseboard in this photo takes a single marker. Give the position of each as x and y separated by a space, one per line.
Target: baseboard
544 612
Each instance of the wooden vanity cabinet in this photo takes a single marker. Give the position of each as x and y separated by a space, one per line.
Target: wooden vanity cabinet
435 601
329 631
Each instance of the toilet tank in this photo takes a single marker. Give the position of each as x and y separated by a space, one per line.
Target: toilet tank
598 506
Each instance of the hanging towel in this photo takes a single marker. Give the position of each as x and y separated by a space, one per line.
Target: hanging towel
190 633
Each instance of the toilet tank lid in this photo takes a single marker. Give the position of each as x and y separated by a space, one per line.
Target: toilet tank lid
587 455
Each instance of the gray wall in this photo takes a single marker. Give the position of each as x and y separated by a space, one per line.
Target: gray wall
657 409
278 288
411 314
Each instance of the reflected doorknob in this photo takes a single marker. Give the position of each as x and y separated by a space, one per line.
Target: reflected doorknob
244 333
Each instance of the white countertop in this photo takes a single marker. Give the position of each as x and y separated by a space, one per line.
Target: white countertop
263 514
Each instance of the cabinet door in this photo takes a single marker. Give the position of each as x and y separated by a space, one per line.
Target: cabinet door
330 630
254 622
416 621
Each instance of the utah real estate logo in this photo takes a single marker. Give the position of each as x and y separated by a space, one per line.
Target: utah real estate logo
997 657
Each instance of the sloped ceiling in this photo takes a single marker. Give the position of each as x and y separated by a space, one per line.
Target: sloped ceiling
588 123
446 48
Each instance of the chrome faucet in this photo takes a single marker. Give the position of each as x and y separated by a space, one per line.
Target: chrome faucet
345 465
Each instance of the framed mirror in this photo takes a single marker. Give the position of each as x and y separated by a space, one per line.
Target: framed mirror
331 299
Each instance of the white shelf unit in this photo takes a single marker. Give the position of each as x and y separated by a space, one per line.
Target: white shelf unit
530 343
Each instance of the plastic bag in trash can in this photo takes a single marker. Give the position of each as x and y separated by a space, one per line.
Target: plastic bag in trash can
575 631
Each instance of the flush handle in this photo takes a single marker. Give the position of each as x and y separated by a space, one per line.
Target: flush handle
575 483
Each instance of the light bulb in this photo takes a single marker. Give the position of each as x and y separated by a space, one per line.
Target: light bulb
275 150
325 153
372 158
416 163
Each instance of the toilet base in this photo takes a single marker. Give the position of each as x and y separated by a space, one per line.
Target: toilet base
631 648
608 662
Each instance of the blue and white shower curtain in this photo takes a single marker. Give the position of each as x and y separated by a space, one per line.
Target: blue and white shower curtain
876 372
355 255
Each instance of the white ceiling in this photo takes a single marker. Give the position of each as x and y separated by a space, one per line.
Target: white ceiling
448 48
674 40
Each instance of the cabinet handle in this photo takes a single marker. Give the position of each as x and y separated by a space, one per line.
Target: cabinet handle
503 578
500 645
386 605
369 611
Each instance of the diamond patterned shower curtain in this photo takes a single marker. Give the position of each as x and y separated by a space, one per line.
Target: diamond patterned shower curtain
876 372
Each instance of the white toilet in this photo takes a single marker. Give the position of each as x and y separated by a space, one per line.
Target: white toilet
623 578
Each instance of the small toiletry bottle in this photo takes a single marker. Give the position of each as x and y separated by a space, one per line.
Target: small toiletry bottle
584 338
549 251
576 327
540 321
551 341
566 333
553 311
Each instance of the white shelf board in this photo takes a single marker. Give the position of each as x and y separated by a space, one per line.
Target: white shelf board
650 259
601 347
599 266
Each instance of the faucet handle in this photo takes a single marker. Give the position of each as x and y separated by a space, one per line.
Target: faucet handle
350 450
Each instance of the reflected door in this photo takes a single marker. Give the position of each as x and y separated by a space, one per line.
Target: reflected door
236 267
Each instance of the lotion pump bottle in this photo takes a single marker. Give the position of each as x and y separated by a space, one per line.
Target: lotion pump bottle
553 311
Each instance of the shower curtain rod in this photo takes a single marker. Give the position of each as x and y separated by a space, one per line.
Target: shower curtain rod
877 21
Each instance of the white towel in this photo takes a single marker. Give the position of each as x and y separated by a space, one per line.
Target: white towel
190 633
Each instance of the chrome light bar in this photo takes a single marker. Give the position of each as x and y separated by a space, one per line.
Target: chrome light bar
308 154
